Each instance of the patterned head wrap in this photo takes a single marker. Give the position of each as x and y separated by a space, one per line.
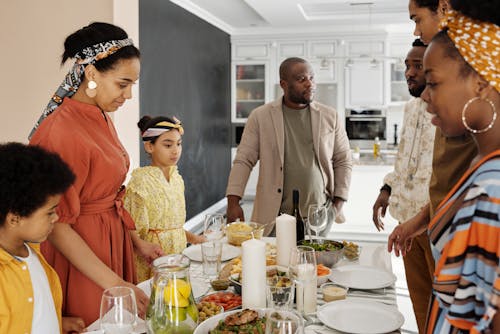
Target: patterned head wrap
73 80
161 127
478 42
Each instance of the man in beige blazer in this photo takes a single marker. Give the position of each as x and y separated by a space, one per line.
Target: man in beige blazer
300 144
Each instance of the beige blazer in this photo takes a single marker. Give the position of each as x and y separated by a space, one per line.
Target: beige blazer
263 140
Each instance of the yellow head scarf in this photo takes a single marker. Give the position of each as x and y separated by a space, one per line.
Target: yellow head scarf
478 42
160 128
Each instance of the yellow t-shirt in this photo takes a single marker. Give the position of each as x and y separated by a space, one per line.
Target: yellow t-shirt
159 211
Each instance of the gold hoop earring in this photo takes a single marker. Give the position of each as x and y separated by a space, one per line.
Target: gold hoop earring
91 89
489 126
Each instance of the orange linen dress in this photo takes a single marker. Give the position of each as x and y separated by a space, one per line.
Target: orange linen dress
86 139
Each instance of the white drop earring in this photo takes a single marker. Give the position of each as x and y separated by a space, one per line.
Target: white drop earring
91 89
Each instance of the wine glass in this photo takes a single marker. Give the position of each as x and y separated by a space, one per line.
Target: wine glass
284 322
214 226
302 268
317 218
118 310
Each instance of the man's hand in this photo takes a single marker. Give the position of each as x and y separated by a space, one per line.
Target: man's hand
381 205
234 210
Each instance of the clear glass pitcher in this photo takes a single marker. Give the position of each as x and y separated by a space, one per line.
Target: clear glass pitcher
171 309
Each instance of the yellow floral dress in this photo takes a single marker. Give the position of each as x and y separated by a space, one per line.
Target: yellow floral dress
159 211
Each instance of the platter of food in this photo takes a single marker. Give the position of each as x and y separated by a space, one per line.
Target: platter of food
362 277
234 322
229 252
228 300
360 317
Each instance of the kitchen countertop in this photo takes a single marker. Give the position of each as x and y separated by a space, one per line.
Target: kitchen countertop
386 158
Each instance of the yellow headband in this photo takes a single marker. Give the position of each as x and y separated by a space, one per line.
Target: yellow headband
177 126
478 42
161 127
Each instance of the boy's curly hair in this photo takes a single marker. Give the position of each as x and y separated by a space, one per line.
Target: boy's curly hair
28 176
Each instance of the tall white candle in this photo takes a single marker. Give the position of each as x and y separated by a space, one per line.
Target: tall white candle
306 288
286 238
253 284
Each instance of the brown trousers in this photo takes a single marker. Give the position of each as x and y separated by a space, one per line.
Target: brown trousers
419 269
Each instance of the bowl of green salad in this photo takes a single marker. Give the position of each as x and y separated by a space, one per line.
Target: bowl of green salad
328 252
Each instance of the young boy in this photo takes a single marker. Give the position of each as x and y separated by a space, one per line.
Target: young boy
31 183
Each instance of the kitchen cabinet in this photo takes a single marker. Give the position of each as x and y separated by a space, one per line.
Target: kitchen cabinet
291 49
366 48
319 53
364 85
398 85
250 51
250 88
322 49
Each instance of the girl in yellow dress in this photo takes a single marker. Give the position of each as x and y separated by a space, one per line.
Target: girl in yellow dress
155 193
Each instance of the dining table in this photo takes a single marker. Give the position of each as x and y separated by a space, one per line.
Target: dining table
372 255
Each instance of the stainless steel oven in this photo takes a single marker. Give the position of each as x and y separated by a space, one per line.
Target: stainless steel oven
364 125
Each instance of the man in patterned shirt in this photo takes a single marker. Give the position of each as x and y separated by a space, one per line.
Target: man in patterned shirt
406 189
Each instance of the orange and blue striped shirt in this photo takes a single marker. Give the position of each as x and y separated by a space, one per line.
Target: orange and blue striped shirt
465 239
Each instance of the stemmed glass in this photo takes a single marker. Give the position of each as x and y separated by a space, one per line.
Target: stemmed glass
214 226
317 218
284 322
302 268
118 310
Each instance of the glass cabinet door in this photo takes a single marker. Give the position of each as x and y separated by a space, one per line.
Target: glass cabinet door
250 89
399 87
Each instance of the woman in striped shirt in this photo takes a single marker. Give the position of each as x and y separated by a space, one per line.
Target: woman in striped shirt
462 68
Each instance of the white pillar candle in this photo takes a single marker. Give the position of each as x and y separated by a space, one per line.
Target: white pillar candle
286 238
253 274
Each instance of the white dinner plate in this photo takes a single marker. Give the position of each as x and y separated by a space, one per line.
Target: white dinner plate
229 252
362 277
352 316
209 324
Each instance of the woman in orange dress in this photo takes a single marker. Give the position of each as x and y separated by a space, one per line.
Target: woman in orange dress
90 247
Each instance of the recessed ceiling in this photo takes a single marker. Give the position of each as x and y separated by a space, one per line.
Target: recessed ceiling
296 15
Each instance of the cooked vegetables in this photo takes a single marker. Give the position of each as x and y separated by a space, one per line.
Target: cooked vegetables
326 245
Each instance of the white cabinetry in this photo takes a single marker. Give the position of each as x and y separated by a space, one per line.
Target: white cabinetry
366 48
364 85
319 53
251 51
250 88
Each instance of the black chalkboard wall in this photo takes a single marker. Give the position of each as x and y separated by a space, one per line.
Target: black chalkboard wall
185 71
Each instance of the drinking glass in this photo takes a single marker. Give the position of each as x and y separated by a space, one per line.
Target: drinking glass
284 322
302 268
280 289
118 310
211 253
317 218
214 226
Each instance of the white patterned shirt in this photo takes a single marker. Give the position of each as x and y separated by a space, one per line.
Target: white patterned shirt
409 181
